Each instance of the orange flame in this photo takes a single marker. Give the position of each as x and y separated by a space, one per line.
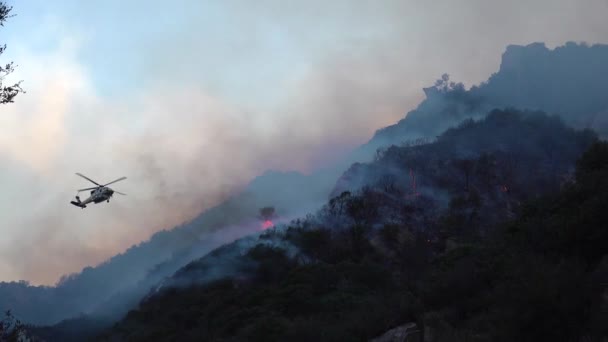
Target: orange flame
267 224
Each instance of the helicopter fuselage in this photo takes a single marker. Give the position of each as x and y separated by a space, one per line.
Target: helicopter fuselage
98 195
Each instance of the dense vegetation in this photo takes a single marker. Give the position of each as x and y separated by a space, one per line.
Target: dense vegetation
501 239
529 77
11 329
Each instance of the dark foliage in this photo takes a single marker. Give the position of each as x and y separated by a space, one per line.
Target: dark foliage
529 77
376 258
320 301
11 329
543 277
7 93
78 329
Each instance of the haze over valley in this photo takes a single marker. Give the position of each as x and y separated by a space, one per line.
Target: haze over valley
392 147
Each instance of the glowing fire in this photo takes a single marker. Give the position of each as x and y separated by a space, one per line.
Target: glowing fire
267 224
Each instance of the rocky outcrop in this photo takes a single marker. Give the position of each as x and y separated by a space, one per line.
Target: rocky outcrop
405 333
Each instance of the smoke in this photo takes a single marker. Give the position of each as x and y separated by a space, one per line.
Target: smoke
228 261
193 100
208 255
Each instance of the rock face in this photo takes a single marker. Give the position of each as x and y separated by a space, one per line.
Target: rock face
568 81
405 333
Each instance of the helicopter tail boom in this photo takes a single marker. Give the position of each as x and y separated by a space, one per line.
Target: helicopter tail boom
78 203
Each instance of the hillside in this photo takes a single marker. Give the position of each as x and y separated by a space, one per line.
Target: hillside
462 258
109 290
567 81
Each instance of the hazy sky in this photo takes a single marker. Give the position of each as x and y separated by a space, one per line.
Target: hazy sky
190 99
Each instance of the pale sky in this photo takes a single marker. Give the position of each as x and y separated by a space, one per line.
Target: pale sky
190 99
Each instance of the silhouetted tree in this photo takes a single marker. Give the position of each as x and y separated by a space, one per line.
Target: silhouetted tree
466 166
445 85
7 93
338 204
11 329
267 213
363 208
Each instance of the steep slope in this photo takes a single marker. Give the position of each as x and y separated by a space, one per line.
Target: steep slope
568 77
378 257
108 288
568 81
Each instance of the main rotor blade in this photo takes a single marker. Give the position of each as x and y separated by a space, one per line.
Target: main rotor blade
118 192
87 178
87 189
114 181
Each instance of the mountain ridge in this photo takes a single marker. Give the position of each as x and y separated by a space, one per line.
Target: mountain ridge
369 259
446 104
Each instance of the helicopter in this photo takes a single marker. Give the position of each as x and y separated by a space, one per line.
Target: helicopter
98 194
